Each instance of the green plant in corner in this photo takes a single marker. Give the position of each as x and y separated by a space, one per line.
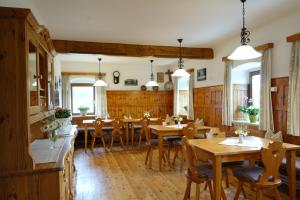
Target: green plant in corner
252 112
62 113
83 110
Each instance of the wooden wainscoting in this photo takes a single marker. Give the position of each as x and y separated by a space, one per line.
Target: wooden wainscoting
238 92
135 103
208 104
280 105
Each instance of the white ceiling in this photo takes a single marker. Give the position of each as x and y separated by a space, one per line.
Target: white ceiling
115 60
203 23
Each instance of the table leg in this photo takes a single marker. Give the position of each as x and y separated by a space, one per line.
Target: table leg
132 133
85 137
291 169
127 132
160 150
217 166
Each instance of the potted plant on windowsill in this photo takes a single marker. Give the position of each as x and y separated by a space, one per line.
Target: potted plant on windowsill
63 116
83 110
252 112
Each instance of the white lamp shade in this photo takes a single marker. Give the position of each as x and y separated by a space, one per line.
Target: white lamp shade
151 84
180 73
100 83
244 52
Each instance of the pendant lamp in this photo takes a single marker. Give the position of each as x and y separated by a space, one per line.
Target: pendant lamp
151 82
100 82
180 72
245 51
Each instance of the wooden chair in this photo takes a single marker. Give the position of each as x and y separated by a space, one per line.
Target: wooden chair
143 129
202 173
189 132
263 177
117 125
152 144
97 133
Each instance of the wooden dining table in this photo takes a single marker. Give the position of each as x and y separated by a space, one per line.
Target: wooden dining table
129 124
171 130
210 149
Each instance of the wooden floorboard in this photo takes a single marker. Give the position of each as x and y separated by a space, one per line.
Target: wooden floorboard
122 175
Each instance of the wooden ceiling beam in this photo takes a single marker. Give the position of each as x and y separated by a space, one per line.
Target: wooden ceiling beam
293 38
67 46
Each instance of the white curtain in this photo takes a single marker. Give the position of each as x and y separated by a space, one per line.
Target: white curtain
66 92
191 97
293 115
227 95
175 96
266 111
101 102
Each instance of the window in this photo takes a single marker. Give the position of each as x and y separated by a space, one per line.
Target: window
254 80
83 95
183 95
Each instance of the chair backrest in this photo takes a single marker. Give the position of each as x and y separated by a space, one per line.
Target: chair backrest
271 157
189 131
189 156
98 124
216 132
117 124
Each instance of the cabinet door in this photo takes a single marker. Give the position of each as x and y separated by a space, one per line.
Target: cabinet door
43 78
33 77
50 83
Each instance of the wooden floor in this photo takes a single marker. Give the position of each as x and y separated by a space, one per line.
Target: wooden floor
122 175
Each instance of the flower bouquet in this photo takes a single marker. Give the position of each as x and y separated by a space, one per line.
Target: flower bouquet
50 126
241 131
178 119
146 114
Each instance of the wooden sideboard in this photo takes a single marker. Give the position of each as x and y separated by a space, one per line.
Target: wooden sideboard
27 96
135 103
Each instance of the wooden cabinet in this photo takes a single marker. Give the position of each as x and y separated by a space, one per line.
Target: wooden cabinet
26 85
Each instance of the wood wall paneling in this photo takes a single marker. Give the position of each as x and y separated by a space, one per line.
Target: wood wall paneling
135 103
208 104
238 92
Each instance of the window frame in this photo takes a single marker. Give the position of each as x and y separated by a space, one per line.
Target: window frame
251 74
83 85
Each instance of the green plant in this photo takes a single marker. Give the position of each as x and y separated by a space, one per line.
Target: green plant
243 109
252 111
83 108
62 113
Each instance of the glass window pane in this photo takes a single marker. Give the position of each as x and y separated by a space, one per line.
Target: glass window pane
82 96
183 95
256 90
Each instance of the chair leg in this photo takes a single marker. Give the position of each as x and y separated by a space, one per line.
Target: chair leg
140 140
103 142
197 191
121 141
147 156
223 194
181 158
208 183
187 190
175 155
151 155
277 194
112 141
259 194
239 189
227 179
93 143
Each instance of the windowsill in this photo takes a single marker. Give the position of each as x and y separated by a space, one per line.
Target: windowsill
78 115
245 122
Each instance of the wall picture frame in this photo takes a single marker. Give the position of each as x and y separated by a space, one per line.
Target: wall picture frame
131 82
201 74
160 77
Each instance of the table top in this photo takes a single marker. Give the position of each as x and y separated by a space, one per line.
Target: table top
212 146
91 121
162 128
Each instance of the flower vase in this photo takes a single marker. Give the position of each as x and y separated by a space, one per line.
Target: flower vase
53 138
241 139
253 118
179 124
246 117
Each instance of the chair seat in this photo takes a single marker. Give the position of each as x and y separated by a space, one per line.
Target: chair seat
177 142
107 128
155 142
205 170
199 136
171 138
137 126
234 164
248 174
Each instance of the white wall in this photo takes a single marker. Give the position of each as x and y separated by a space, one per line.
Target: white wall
139 72
57 75
275 32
